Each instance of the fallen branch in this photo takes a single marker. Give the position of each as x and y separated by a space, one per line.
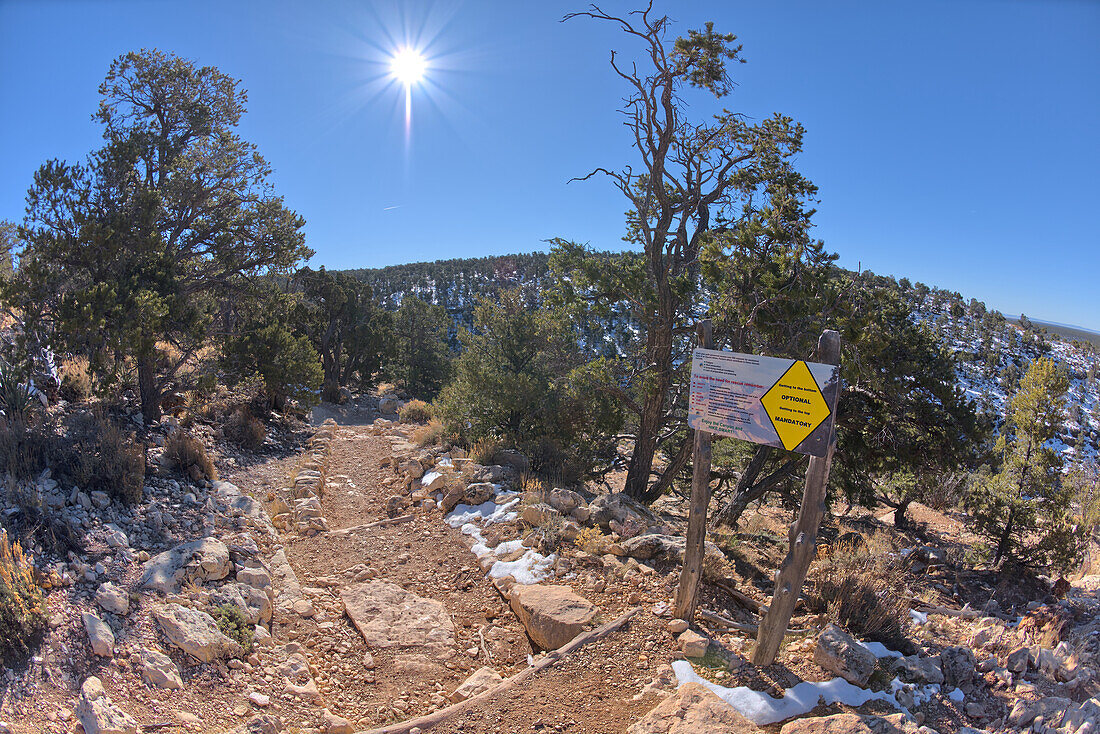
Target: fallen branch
740 597
716 618
375 524
429 720
484 647
945 611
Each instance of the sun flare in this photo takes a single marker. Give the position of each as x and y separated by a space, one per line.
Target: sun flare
408 66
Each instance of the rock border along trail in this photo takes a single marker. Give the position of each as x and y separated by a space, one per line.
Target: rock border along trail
376 561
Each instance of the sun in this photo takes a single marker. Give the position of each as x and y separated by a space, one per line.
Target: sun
408 66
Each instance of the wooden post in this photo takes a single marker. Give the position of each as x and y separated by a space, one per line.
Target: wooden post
802 537
687 595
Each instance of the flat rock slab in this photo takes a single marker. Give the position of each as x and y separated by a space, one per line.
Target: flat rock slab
389 616
201 560
852 724
195 632
553 615
693 709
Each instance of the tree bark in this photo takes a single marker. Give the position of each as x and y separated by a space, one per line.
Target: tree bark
659 357
147 388
901 520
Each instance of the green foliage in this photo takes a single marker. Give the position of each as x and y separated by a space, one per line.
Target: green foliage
22 603
1021 503
9 246
234 624
507 385
286 362
146 241
419 359
348 330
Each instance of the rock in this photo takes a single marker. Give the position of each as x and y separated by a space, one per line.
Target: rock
840 653
958 666
482 680
852 724
388 404
619 507
538 515
259 699
565 500
552 615
336 724
113 599
308 691
195 632
433 482
98 715
1051 708
158 670
388 616
303 608
100 636
479 492
514 459
1045 626
1017 660
411 468
915 669
676 626
671 547
206 559
453 495
1076 716
693 644
257 578
254 603
693 709
264 724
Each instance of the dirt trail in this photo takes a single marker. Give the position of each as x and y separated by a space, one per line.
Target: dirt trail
590 692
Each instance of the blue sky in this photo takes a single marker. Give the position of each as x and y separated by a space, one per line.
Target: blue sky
954 143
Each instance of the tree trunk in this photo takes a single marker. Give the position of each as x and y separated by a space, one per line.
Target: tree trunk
659 357
1006 535
901 520
147 386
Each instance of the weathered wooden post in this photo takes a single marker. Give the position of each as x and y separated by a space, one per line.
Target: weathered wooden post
803 536
687 595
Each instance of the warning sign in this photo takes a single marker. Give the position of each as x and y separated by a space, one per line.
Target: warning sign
784 403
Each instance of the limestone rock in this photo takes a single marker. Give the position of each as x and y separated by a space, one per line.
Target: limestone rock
840 653
1051 708
158 670
100 636
112 598
336 724
98 715
852 724
565 500
693 644
253 602
693 709
195 632
538 515
1017 660
388 616
915 669
671 547
958 666
206 559
553 615
482 680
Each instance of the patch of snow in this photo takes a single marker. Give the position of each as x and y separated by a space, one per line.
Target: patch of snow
918 617
487 512
430 477
762 709
530 568
881 651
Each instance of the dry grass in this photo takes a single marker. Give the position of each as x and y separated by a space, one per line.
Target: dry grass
429 434
244 429
591 540
862 587
188 455
415 411
76 379
484 451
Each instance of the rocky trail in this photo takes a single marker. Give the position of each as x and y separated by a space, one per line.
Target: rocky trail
367 584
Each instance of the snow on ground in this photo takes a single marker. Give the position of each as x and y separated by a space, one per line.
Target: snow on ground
529 568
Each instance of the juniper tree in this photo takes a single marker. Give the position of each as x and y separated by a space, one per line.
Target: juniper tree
146 241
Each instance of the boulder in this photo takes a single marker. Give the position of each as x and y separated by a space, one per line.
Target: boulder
98 715
552 615
1051 708
158 669
1017 660
481 681
538 515
411 468
433 481
112 598
852 724
958 665
1077 715
336 724
206 559
253 602
693 644
195 632
257 578
915 669
693 709
565 500
480 492
389 616
671 548
493 474
100 636
514 459
618 506
388 404
840 653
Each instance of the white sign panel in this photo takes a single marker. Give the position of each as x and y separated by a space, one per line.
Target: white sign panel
786 403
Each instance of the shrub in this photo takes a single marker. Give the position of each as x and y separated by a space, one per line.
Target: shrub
234 625
428 435
16 399
864 591
22 603
189 456
287 363
112 462
244 429
415 411
484 450
76 379
591 540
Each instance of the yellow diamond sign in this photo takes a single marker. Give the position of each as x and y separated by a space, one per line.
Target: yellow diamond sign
795 405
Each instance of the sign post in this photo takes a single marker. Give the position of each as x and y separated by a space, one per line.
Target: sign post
785 403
